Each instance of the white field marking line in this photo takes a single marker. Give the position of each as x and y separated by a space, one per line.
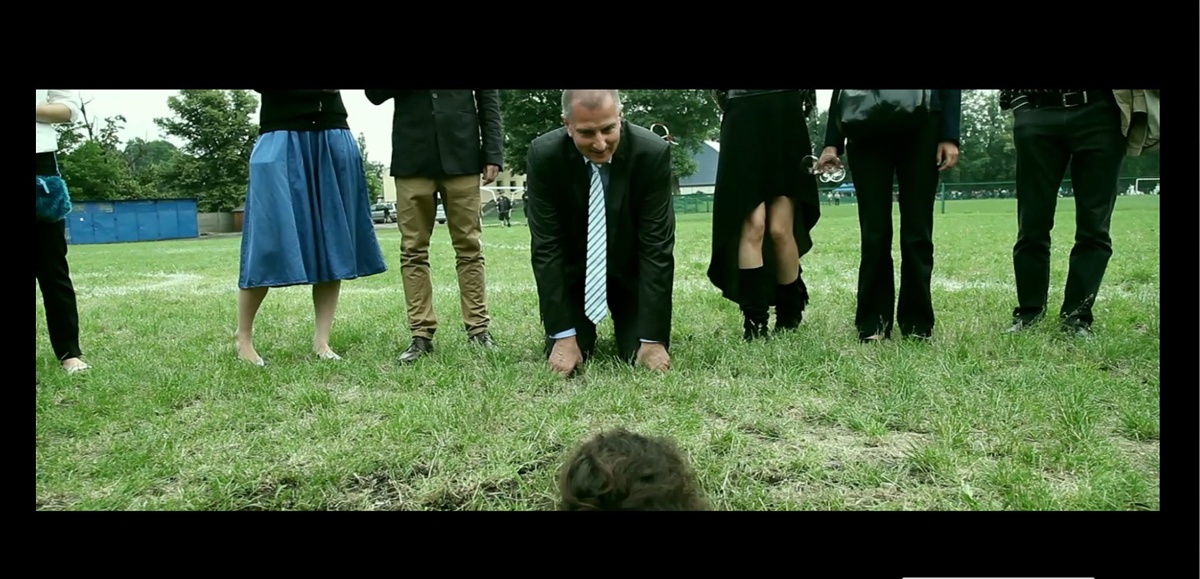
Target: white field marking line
163 282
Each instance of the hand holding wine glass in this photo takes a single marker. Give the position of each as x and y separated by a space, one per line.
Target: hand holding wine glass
828 167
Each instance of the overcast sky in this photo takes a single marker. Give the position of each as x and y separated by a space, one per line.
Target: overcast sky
141 107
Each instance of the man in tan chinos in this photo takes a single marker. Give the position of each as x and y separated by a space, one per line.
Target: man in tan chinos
442 141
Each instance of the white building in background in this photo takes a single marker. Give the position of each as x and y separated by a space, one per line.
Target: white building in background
505 181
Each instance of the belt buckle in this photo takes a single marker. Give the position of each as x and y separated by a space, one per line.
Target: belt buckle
1067 101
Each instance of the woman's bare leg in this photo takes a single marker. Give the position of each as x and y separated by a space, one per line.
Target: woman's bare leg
249 300
791 295
750 246
780 218
325 298
754 285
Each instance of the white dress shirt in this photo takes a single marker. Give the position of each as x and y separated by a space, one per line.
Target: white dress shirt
47 137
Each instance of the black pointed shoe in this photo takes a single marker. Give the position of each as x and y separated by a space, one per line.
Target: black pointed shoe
419 347
484 339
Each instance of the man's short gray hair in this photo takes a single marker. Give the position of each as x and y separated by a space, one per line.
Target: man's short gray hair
590 99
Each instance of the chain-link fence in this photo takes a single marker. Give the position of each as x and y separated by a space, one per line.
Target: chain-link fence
844 193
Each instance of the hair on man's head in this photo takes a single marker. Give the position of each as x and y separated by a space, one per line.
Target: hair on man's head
588 99
622 471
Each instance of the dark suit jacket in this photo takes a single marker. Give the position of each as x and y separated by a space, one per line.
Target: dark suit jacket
438 132
944 102
640 227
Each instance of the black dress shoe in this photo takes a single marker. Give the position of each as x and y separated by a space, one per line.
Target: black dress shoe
419 347
1076 328
1021 321
755 330
484 339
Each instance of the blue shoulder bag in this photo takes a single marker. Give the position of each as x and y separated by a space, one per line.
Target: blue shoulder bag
53 200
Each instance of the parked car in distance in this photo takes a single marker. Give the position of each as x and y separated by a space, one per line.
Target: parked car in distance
384 212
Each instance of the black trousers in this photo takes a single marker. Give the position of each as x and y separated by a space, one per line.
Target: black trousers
911 160
1049 140
53 277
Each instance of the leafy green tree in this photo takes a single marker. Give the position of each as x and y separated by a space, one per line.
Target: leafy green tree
153 163
374 171
219 135
92 163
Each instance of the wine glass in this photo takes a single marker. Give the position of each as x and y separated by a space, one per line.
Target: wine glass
663 132
833 175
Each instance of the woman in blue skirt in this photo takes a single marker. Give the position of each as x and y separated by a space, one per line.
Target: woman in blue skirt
308 211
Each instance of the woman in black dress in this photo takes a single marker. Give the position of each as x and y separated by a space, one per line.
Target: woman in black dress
764 206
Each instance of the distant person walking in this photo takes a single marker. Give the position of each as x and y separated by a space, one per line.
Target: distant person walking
504 207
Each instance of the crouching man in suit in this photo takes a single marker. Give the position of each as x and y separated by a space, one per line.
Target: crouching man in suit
602 226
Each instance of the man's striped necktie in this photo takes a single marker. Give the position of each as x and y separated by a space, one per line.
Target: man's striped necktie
595 283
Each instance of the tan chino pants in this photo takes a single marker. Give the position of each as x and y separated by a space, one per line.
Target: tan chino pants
415 210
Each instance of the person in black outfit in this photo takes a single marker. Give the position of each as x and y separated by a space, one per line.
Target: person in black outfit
51 272
504 208
1054 130
914 159
764 206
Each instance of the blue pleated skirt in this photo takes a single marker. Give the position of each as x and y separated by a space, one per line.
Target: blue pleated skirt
308 212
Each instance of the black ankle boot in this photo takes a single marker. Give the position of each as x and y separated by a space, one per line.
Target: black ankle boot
755 312
790 302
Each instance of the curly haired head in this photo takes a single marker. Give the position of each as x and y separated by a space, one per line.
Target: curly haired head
622 471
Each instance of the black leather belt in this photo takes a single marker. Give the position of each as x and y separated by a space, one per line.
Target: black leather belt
1067 99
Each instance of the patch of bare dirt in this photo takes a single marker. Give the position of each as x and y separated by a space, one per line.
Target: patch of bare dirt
53 502
382 489
462 493
265 495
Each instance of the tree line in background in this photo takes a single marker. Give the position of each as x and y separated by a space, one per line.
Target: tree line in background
215 126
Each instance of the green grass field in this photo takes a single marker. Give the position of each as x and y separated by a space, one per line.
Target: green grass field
168 418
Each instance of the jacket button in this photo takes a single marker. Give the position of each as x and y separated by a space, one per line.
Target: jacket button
435 95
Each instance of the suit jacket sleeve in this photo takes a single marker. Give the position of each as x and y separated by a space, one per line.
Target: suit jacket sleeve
545 245
951 101
656 238
490 127
833 135
379 96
